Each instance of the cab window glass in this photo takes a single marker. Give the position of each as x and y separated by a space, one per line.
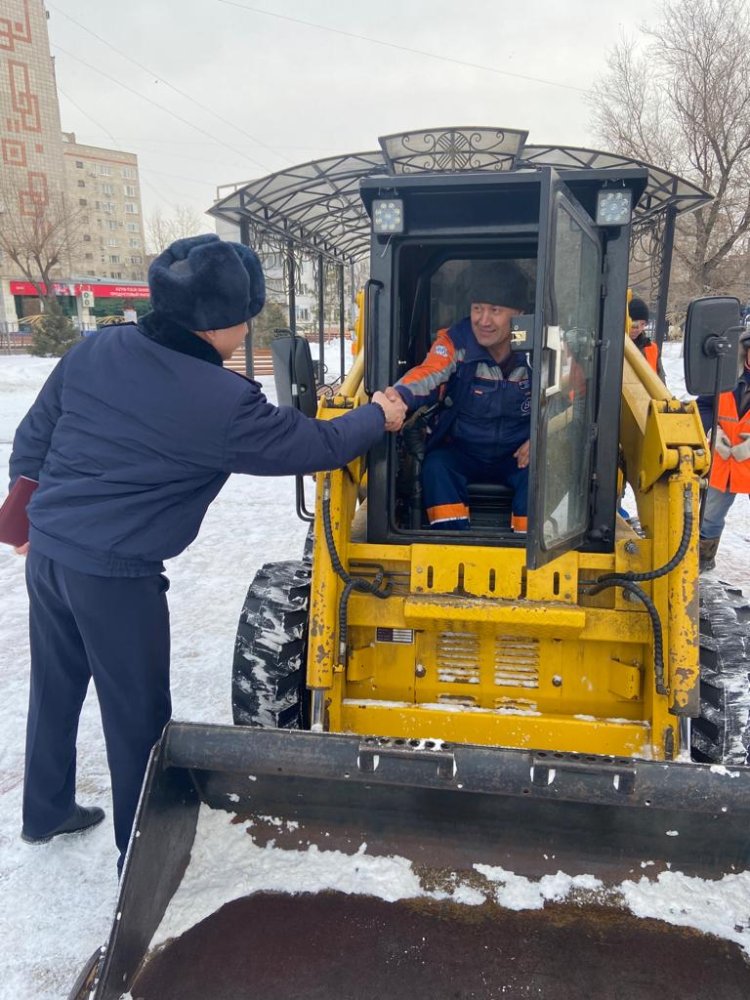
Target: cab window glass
568 379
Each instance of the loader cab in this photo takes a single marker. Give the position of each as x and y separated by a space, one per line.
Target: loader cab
428 233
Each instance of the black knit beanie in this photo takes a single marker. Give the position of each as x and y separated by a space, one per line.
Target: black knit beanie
205 283
500 283
638 310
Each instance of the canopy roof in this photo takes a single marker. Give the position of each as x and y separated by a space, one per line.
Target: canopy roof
318 208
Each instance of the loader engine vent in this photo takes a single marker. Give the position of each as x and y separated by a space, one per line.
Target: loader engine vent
516 662
458 658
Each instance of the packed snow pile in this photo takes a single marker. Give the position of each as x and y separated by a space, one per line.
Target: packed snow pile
226 864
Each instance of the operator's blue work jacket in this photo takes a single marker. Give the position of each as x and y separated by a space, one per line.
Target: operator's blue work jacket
486 405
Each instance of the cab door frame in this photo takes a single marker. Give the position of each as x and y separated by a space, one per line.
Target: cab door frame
560 409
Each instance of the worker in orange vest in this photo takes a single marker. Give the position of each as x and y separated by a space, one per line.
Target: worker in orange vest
639 316
730 468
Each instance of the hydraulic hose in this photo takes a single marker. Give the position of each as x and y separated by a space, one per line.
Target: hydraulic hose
636 591
378 586
629 582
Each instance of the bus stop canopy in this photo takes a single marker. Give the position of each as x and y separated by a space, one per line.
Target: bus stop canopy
316 206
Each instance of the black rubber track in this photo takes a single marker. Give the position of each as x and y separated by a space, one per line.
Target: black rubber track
721 734
268 673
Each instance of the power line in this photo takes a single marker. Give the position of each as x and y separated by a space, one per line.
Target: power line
166 83
161 107
403 48
106 131
85 114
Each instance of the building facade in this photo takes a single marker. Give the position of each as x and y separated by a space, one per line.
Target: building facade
39 171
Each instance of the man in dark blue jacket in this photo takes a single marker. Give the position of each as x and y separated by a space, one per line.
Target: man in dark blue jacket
131 438
482 430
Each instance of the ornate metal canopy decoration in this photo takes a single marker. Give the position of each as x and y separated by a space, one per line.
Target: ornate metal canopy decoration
452 149
316 206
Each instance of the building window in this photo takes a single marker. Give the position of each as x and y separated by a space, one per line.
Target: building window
82 201
79 164
88 256
112 243
107 189
135 244
111 224
114 258
115 274
129 190
108 207
133 227
86 238
81 184
128 173
130 208
105 171
136 260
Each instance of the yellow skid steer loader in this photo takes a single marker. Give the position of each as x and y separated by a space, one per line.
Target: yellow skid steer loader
476 763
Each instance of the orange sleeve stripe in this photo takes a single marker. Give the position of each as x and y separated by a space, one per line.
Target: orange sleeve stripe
435 364
519 523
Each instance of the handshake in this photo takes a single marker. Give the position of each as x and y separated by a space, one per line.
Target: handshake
740 452
393 406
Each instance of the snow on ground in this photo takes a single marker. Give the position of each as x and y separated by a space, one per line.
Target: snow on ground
57 900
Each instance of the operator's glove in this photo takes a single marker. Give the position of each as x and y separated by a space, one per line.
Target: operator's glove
741 452
723 444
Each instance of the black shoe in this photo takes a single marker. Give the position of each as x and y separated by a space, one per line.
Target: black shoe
82 818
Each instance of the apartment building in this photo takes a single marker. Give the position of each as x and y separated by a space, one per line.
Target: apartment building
104 183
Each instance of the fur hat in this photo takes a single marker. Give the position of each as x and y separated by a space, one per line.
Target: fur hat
638 310
205 283
499 282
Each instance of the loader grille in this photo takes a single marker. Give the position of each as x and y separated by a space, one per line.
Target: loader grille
516 661
458 658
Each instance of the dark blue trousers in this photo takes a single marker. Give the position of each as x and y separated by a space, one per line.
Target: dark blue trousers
447 472
116 631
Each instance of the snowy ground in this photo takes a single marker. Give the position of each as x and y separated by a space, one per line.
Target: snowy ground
56 901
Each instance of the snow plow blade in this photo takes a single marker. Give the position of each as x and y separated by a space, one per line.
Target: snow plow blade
293 864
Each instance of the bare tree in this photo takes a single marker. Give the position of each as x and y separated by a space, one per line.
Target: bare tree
680 98
162 230
40 230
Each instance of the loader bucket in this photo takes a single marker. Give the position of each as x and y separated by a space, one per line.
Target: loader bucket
272 864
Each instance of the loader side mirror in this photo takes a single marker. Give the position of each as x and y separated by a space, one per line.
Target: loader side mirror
294 372
712 330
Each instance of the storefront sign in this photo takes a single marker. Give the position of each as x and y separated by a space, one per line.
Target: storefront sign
100 291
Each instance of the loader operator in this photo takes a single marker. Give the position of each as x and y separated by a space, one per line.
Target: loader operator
131 438
730 465
481 433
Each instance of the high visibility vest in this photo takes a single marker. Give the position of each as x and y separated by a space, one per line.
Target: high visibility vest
727 474
651 354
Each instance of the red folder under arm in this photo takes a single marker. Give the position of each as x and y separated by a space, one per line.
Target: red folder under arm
14 524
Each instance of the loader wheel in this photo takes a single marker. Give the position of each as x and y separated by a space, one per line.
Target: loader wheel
722 734
268 673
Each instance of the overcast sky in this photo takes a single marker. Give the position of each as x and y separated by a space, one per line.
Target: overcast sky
228 91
